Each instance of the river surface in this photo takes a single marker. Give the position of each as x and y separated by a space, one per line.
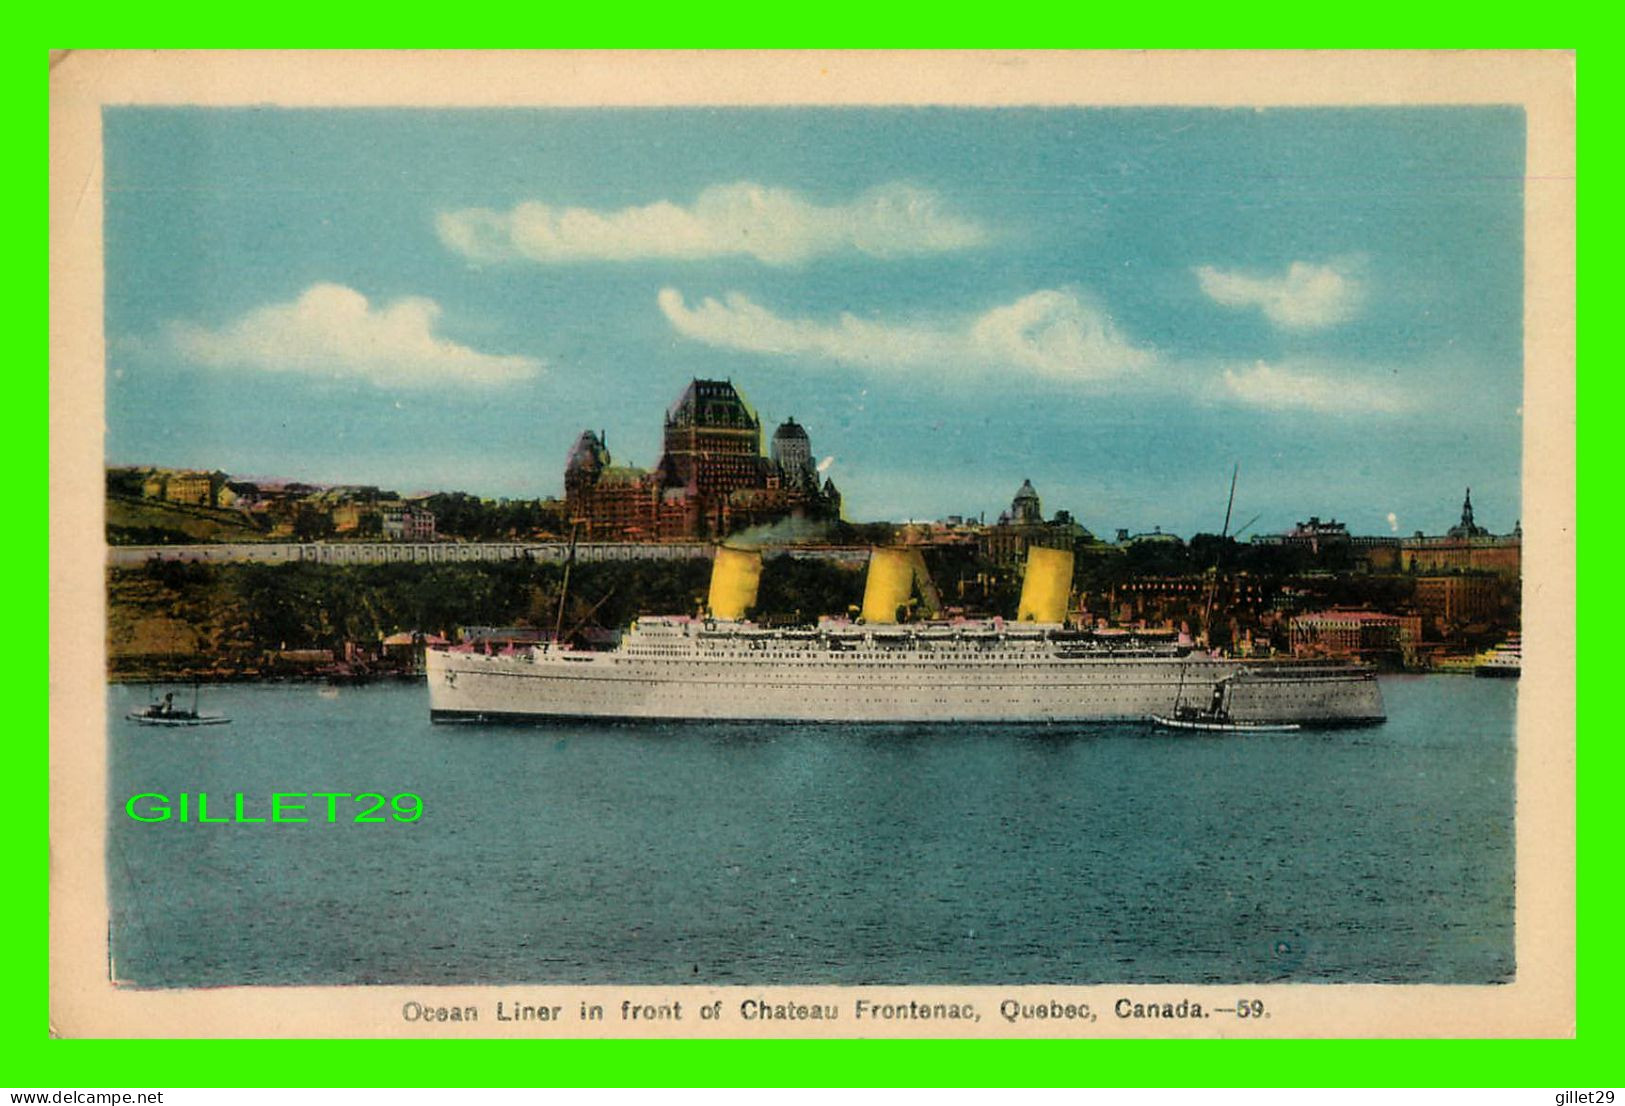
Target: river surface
751 854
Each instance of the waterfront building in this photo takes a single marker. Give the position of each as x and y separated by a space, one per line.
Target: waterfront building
1353 634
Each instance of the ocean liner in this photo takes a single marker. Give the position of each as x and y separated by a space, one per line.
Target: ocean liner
877 669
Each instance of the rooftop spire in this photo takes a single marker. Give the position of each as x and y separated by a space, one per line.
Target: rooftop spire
1467 528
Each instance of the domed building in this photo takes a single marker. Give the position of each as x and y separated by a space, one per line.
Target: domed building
1006 542
1466 547
1026 508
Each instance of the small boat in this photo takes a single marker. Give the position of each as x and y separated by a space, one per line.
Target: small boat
1212 723
1506 659
166 713
1215 718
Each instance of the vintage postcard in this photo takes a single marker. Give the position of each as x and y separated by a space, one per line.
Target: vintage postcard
812 544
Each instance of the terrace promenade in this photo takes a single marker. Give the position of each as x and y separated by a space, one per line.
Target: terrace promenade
377 553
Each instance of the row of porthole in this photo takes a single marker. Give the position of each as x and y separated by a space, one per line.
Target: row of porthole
1061 677
1059 672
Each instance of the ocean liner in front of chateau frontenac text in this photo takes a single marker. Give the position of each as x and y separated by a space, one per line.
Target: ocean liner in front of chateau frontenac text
875 669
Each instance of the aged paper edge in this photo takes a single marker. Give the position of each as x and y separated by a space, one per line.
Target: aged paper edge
1541 1002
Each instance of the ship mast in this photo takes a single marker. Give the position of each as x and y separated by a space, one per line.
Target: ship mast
564 587
1213 583
582 621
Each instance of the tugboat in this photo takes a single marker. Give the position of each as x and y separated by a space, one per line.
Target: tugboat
1216 718
1189 718
166 713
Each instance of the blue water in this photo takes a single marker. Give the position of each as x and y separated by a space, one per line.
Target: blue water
818 854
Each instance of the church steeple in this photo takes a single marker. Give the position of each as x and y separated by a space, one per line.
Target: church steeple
1467 528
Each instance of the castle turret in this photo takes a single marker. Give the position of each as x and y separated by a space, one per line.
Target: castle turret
711 476
712 438
792 452
587 461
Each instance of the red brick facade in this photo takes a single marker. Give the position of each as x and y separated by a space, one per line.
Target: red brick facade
711 480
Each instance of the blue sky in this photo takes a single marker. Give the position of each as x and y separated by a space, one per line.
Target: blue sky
1118 304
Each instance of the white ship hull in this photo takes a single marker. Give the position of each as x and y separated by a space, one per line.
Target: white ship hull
675 669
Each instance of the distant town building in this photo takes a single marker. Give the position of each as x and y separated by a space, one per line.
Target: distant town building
1006 541
711 479
952 532
406 522
356 518
1357 634
242 495
1169 597
197 489
1458 599
1378 554
1152 537
1465 547
1314 535
358 511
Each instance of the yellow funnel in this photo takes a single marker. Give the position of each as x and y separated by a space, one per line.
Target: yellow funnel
1048 586
889 585
734 576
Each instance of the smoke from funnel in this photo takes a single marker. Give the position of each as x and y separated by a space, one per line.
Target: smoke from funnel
782 532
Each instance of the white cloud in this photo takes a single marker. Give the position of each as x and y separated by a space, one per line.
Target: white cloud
774 225
333 331
1053 333
1313 388
1306 297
